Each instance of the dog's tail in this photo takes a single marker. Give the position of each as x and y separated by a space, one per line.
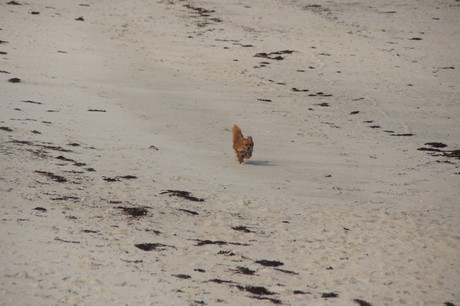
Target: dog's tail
236 133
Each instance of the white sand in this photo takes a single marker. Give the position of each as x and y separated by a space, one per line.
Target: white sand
336 189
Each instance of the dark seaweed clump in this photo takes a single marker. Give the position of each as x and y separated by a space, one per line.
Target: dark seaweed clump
52 176
151 246
135 212
269 263
182 194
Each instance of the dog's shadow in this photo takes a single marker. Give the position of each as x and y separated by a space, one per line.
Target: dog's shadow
258 163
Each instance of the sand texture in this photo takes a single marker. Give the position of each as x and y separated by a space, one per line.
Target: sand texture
119 185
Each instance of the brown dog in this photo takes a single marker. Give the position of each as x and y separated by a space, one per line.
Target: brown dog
242 146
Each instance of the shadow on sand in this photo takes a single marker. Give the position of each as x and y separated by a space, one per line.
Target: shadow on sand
258 163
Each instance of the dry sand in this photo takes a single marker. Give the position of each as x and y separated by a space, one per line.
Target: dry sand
121 104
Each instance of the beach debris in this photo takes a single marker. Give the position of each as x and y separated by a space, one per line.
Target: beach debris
204 13
80 19
40 209
66 241
134 212
362 302
55 148
300 292
294 89
269 263
436 149
119 178
274 55
436 144
220 281
189 211
262 64
314 7
199 10
14 80
242 228
49 147
259 290
30 101
78 164
52 176
13 3
259 293
226 253
329 295
206 242
97 110
66 198
22 142
218 242
264 100
5 128
320 94
402 134
156 232
182 194
278 83
153 246
287 271
182 276
244 270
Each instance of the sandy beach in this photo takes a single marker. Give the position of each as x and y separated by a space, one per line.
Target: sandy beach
119 184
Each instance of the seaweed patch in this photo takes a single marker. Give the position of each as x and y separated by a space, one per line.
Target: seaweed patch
134 212
362 302
244 270
259 290
269 263
329 295
182 194
152 246
242 228
52 176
